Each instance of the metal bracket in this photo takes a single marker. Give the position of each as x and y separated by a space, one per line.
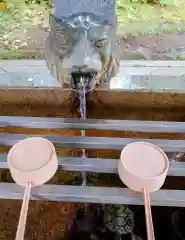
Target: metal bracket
94 194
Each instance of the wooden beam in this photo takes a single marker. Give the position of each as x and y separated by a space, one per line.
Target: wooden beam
104 195
97 165
78 142
95 124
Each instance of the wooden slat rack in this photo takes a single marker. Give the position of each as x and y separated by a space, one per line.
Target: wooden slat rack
94 194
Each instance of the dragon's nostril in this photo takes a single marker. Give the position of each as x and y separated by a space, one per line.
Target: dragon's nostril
80 67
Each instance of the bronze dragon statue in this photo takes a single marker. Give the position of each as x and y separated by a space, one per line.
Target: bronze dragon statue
83 43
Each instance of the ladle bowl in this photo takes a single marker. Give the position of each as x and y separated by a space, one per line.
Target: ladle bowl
143 165
32 160
143 168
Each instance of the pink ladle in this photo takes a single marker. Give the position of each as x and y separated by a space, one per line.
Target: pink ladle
143 168
32 162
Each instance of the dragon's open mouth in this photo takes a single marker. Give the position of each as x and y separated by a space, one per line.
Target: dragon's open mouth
88 79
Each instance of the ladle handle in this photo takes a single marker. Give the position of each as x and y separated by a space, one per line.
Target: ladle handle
23 214
148 216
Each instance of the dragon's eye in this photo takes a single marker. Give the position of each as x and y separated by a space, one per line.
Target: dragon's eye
64 40
61 38
100 43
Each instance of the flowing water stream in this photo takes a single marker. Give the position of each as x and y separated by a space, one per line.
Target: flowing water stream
82 92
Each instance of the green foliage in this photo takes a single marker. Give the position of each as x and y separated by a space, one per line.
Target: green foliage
49 2
145 1
46 2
